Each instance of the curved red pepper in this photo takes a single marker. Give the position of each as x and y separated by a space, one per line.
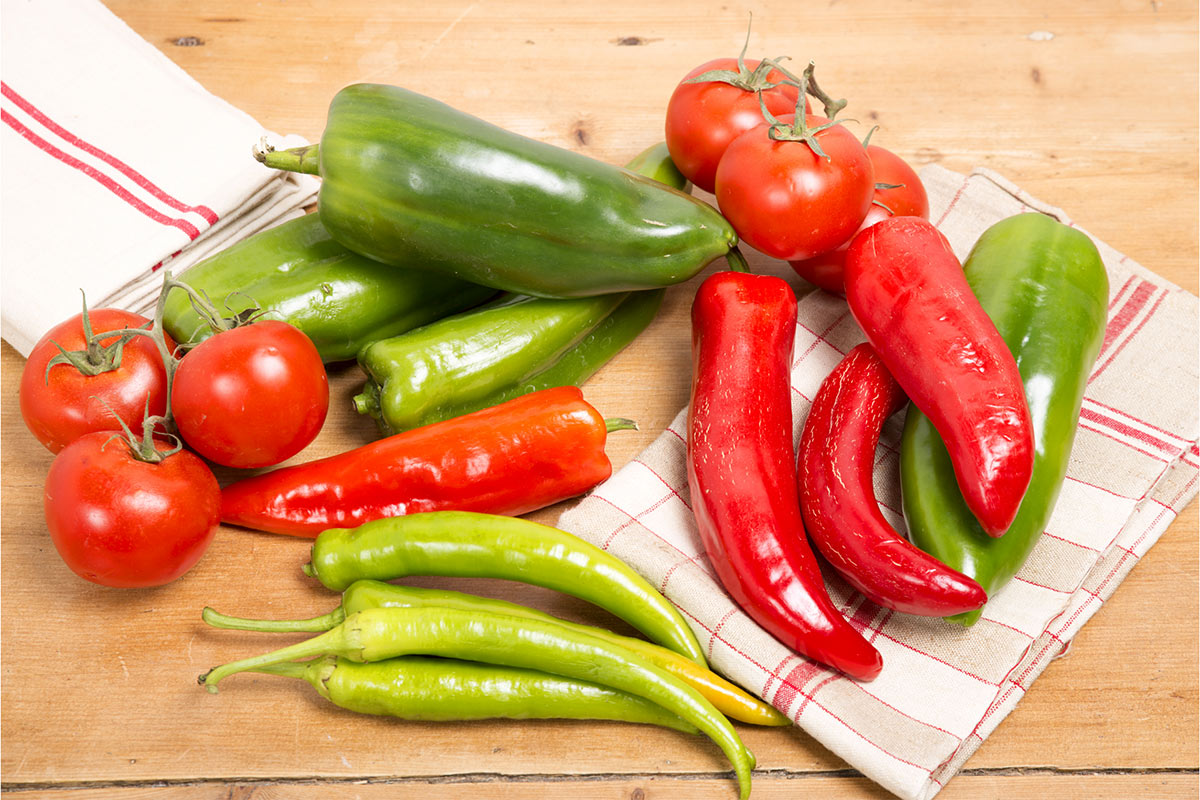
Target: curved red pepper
837 495
907 290
510 459
741 469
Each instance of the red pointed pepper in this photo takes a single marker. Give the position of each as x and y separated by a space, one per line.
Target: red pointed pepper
907 290
741 469
510 459
837 495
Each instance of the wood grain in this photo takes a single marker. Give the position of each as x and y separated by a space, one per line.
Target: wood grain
1090 106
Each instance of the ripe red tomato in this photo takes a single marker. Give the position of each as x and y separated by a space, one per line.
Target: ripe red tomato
788 202
252 396
118 521
908 199
703 118
63 404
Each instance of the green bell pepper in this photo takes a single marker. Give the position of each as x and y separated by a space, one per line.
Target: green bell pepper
297 273
1046 289
407 179
493 353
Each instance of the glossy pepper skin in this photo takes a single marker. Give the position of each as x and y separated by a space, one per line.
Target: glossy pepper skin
442 690
530 452
1046 288
382 633
465 544
483 357
491 354
742 469
729 699
406 178
835 463
296 272
907 291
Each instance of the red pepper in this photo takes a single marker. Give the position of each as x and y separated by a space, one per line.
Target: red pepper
837 496
742 475
510 459
907 290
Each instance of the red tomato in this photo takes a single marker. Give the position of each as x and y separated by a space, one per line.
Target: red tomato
788 202
703 118
252 396
907 200
64 404
119 521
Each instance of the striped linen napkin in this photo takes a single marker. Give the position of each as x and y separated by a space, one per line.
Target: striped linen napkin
944 688
116 163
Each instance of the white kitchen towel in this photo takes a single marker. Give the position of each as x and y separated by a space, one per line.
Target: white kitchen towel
944 688
116 163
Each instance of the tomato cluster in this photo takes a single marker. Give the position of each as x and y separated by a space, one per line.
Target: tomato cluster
795 185
127 505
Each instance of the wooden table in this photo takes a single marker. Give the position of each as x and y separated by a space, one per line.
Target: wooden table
1088 105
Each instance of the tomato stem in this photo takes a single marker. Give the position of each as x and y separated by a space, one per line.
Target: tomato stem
798 130
744 79
832 107
144 449
95 358
155 332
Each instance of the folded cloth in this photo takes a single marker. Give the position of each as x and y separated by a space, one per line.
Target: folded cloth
116 163
944 688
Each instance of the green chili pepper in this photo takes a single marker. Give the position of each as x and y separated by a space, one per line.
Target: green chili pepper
1046 289
382 633
730 700
297 273
469 544
445 689
408 179
483 357
656 164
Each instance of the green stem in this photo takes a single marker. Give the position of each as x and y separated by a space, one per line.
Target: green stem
737 261
619 424
332 641
306 159
290 669
832 107
317 624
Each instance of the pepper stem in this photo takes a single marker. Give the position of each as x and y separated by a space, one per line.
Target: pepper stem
619 424
332 641
288 669
737 262
367 401
317 624
306 159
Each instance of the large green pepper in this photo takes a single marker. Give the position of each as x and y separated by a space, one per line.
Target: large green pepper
1046 289
491 354
296 272
407 179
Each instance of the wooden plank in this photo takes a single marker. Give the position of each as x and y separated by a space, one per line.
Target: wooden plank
967 786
